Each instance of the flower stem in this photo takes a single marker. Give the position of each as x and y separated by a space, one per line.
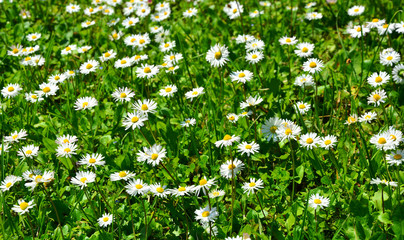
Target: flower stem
30 225
293 171
56 211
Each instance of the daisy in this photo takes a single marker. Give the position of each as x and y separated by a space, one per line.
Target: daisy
115 36
194 93
204 185
110 54
313 16
72 8
16 50
288 40
241 76
375 23
358 31
353 118
302 107
25 14
92 160
66 139
153 155
304 49
123 94
328 141
378 79
143 40
113 22
137 58
85 103
399 27
368 117
255 45
304 80
29 50
254 57
171 69
256 13
30 175
182 191
206 215
233 9
123 63
57 78
188 122
11 90
356 10
168 91
173 58
218 55
190 12
310 5
156 29
245 114
382 141
386 29
252 186
318 201
29 151
87 24
108 11
389 58
227 141
167 46
309 140
46 177
398 73
89 66
23 206
269 128
4 147
232 117
289 132
248 148
33 37
145 106
143 12
130 22
377 97
265 3
231 168
251 101
244 38
82 178
16 136
147 71
135 120
396 157
66 150
216 193
136 186
121 175
84 49
89 11
377 181
69 49
105 220
396 135
159 190
8 182
313 65
27 61
37 60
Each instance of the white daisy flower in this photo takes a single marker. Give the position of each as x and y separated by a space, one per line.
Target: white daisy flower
11 90
256 13
48 89
4 147
82 178
115 36
121 175
241 76
69 49
153 155
85 103
136 187
358 31
254 57
252 186
396 135
398 73
206 215
72 8
251 101
218 55
368 117
167 46
318 201
245 114
377 181
244 38
123 94
353 118
188 122
113 22
92 160
356 10
378 79
269 128
135 120
302 107
110 54
389 58
145 106
66 139
375 23
143 12
33 37
395 158
304 80
83 49
289 132
227 141
89 11
182 191
8 182
194 93
382 141
309 140
29 151
377 97
386 29
23 206
105 220
130 22
159 190
46 177
123 63
168 91
255 45
66 150
288 40
313 65
248 148
137 58
173 58
190 12
89 66
230 168
204 185
16 136
232 117
216 193
328 141
147 71
304 49
87 23
313 16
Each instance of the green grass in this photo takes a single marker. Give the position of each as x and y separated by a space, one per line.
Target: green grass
290 172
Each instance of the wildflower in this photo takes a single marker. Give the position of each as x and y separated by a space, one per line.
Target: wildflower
123 94
377 181
46 177
244 38
4 148
288 40
66 139
92 160
368 117
304 49
123 63
254 57
395 158
302 107
8 182
69 49
289 132
135 120
252 186
122 175
167 46
378 79
385 29
159 190
218 55
89 66
153 155
318 201
48 89
147 71
110 54
375 23
182 191
85 103
83 178
23 206
66 150
269 128
136 186
105 220
353 118
227 141
309 140
33 37
168 91
57 78
72 8
173 58
328 141
377 97
11 90
230 168
115 36
130 22
29 151
233 9
251 101
83 49
241 76
313 16
216 193
248 148
389 57
194 93
382 141
145 106
188 122
204 185
206 214
304 80
358 31
398 73
232 117
87 24
16 136
356 10
313 65
190 12
255 45
256 13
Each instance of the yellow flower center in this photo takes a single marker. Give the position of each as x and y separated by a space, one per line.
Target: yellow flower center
251 184
218 55
351 119
166 45
123 61
327 142
83 179
10 89
172 57
368 117
168 89
393 137
358 29
68 48
375 20
154 156
130 22
23 205
147 70
106 10
67 150
302 106
241 75
46 89
203 182
33 37
385 25
382 140
66 141
15 136
105 219
227 137
378 79
377 97
143 10
305 49
123 95
91 160
309 141
138 186
88 23
273 129
141 41
288 131
231 118
248 146
160 189
57 78
122 174
15 50
28 152
288 40
85 104
137 57
216 194
134 119
71 72
187 121
89 66
206 214
27 58
189 11
181 189
389 58
195 93
317 201
144 107
254 56
232 166
313 65
356 10
8 184
37 178
115 35
397 156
